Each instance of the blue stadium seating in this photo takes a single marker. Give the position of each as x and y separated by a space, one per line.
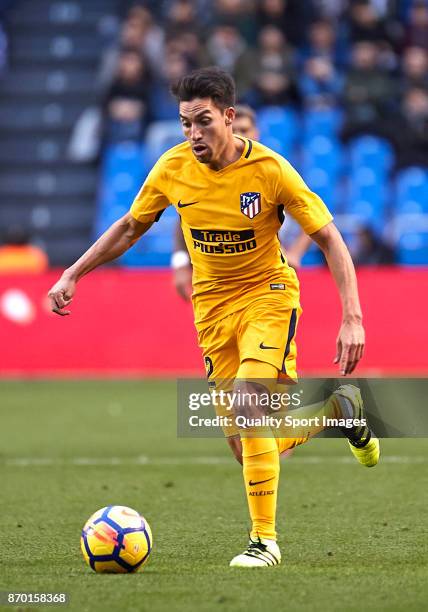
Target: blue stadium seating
321 168
161 136
366 197
411 190
411 232
124 169
372 152
323 184
156 247
313 257
349 226
122 173
366 190
322 152
326 122
278 129
288 234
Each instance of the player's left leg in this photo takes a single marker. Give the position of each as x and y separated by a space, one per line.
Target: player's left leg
346 403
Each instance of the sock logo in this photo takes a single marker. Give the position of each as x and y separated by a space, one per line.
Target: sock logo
251 483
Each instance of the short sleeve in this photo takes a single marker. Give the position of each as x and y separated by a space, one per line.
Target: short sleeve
305 206
152 198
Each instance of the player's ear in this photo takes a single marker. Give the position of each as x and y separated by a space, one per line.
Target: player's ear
229 114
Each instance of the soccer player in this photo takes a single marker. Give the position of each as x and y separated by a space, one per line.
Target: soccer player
230 193
244 124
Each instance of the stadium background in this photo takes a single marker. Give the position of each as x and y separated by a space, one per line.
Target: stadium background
350 537
340 89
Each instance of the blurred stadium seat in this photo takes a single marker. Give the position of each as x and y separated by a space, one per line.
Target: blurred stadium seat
161 136
321 167
411 238
124 168
156 248
366 197
122 173
278 129
325 122
411 191
54 52
371 151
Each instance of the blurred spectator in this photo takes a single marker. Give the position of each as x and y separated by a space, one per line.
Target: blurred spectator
17 255
239 14
369 92
181 16
414 69
320 84
138 32
126 102
291 16
416 34
409 132
152 34
370 250
321 41
273 51
364 23
227 49
330 9
273 89
189 45
272 55
163 105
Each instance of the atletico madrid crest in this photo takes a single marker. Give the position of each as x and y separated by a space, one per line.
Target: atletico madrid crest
251 203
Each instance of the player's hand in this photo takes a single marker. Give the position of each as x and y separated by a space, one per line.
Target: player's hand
349 346
61 295
183 282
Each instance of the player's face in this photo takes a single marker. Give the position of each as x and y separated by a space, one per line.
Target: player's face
206 127
245 127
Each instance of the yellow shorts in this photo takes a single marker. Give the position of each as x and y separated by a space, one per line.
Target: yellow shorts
264 331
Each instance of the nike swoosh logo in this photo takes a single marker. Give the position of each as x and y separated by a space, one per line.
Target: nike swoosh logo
262 346
182 204
251 483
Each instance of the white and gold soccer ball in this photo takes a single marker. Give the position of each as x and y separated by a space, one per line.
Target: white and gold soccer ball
116 539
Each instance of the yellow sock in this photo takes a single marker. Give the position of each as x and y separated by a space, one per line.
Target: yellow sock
261 475
285 444
307 423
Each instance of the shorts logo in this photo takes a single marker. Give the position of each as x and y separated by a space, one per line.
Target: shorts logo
251 204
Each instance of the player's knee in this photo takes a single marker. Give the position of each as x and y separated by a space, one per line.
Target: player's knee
250 400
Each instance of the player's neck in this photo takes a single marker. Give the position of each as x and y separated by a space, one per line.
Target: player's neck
231 152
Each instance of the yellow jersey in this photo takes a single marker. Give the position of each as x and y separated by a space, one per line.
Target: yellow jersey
230 220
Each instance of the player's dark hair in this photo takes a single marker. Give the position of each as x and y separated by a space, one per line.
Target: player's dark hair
212 82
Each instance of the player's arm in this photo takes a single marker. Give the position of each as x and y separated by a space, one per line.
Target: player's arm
181 266
112 244
314 218
351 339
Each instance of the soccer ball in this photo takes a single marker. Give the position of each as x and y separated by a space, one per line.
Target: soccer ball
116 539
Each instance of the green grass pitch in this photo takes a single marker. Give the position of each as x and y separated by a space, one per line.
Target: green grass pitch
352 538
